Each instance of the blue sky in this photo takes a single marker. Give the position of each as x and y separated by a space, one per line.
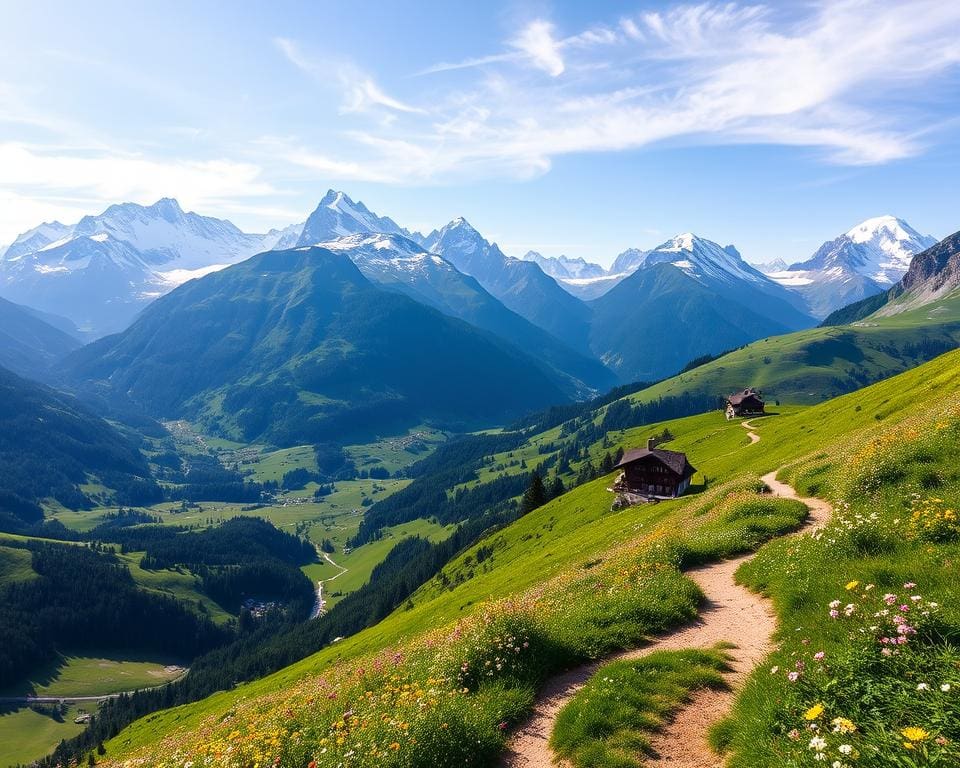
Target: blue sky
577 128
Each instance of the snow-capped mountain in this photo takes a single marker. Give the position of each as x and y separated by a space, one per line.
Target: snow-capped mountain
564 267
396 262
37 238
867 259
628 261
934 275
167 237
705 260
337 215
521 285
769 267
125 257
691 297
98 282
281 239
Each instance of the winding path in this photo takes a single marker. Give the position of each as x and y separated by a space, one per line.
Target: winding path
754 437
729 612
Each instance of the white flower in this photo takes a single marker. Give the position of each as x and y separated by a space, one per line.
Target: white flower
945 687
774 670
845 749
923 687
818 743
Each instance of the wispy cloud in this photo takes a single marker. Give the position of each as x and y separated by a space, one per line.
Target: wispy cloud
360 91
40 183
831 76
537 43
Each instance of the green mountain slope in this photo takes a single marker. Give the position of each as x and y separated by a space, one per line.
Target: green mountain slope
659 318
297 346
550 563
50 448
28 344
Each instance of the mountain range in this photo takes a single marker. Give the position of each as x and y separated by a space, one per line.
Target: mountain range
297 346
101 271
866 260
687 298
933 278
583 328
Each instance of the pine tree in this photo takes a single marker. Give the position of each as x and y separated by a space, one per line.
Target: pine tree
556 487
587 472
535 495
606 465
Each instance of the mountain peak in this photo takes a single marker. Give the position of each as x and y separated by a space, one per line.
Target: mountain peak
870 228
461 223
337 215
167 208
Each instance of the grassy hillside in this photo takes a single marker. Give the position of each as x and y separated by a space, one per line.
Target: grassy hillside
820 363
513 583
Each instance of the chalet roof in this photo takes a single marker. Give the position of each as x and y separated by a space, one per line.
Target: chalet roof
747 394
674 460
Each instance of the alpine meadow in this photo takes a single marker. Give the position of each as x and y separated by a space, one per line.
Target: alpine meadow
507 385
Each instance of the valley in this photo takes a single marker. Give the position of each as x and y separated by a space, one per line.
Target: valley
348 462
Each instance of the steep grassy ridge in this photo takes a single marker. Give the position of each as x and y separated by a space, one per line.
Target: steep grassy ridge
519 584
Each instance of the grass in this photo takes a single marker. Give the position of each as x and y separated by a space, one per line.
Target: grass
362 560
608 722
27 735
97 675
575 535
562 622
817 364
896 533
180 584
15 565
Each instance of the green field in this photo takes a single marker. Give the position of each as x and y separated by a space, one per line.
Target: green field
820 363
26 735
15 565
359 563
578 531
97 675
180 584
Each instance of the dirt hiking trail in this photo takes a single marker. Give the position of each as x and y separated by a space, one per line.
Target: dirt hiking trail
728 612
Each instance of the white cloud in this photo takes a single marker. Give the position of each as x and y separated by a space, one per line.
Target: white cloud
833 76
40 183
537 43
360 91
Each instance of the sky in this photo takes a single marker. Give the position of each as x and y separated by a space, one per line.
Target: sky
567 128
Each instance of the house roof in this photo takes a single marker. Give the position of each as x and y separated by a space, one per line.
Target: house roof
747 394
674 460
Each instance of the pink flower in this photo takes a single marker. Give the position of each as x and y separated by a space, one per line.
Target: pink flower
819 655
834 613
909 585
793 677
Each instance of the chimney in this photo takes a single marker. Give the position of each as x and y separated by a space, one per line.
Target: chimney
651 443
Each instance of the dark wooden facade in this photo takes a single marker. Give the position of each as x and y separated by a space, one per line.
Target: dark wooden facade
654 473
746 403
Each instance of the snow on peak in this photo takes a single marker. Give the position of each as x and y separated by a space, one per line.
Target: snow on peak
879 249
867 230
703 259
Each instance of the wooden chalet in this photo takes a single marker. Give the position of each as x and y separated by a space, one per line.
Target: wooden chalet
746 403
653 473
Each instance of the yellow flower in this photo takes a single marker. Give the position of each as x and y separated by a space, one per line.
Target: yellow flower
843 725
814 712
852 585
913 733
